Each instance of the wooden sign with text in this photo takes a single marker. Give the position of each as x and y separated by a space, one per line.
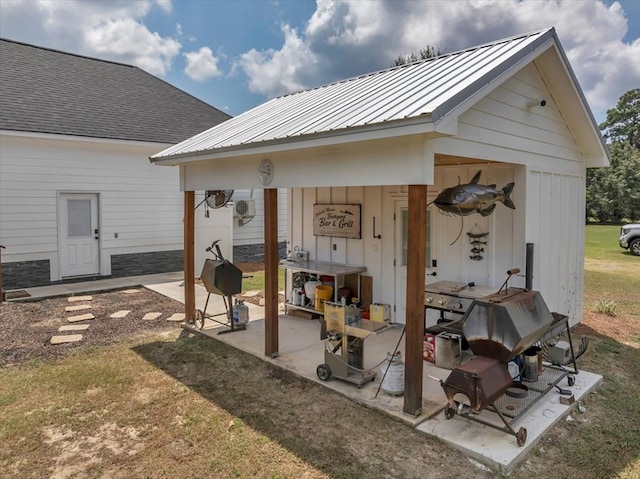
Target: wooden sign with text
339 221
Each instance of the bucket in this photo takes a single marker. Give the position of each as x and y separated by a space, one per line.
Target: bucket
323 293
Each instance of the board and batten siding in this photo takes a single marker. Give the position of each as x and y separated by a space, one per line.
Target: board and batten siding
139 202
550 185
378 255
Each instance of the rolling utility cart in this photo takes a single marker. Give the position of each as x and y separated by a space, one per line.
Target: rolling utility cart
344 345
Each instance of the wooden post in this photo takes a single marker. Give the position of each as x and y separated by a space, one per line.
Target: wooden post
416 255
271 272
189 249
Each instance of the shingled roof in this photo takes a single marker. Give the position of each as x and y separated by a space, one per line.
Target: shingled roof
49 91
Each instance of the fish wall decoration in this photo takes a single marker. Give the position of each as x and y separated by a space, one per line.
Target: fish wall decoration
463 200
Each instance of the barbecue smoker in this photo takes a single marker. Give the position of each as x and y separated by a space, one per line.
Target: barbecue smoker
499 327
221 277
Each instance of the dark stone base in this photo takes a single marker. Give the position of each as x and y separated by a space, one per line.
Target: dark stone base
30 274
135 264
25 274
254 253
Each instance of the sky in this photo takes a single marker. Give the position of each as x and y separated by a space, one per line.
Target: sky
237 54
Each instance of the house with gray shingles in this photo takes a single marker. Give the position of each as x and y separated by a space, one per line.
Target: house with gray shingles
78 197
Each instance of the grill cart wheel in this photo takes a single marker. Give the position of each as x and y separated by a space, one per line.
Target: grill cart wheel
449 411
324 372
521 436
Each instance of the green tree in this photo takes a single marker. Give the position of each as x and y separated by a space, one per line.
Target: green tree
425 53
613 194
623 121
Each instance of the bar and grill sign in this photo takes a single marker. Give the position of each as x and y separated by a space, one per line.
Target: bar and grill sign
339 221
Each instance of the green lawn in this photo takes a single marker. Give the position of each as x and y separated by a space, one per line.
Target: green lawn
611 273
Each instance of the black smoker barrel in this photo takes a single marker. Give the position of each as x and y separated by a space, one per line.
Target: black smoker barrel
221 277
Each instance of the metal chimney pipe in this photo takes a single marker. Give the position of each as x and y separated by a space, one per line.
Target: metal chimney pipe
528 282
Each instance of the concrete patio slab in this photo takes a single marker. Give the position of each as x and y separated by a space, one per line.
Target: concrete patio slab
71 338
301 350
120 314
498 449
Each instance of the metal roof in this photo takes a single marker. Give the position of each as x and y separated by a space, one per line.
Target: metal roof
49 91
425 91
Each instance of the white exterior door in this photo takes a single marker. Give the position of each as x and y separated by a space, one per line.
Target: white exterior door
79 239
400 260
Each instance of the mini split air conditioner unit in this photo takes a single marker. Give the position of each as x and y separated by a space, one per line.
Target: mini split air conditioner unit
244 210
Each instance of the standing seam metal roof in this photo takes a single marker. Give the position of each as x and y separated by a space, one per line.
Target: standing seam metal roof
428 88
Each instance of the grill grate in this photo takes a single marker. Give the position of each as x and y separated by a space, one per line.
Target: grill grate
514 407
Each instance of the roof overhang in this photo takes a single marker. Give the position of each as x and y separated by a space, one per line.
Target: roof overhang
409 127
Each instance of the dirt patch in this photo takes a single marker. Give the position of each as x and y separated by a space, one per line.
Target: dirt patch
26 328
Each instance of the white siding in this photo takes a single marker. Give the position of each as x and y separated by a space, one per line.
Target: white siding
550 186
253 231
501 128
378 254
139 202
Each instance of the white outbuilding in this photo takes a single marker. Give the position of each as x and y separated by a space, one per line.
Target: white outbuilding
384 145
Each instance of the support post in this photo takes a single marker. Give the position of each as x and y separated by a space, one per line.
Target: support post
271 272
416 255
189 250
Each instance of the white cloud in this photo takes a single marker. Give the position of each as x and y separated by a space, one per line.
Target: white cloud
275 72
201 65
344 38
111 30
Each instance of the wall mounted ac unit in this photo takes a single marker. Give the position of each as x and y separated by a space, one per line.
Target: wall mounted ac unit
244 208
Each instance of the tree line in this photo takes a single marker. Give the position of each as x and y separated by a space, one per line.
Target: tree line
613 193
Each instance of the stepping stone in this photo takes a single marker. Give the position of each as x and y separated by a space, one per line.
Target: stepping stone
80 307
151 316
74 327
70 338
82 317
131 291
251 294
176 317
79 298
120 314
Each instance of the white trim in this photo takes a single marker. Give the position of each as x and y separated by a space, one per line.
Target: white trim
85 139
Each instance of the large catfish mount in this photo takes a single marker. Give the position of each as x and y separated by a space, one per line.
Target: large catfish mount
463 200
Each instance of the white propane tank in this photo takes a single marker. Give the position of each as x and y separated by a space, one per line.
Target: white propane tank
392 372
240 313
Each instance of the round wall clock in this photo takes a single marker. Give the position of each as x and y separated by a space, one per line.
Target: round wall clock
265 172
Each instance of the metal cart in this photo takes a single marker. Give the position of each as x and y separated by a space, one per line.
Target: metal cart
344 349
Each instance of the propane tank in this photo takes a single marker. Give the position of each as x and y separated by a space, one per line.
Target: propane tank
240 313
392 372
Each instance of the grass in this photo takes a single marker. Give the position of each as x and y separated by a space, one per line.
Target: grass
165 407
256 281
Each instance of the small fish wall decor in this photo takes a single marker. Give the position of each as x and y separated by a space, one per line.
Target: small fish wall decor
477 246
